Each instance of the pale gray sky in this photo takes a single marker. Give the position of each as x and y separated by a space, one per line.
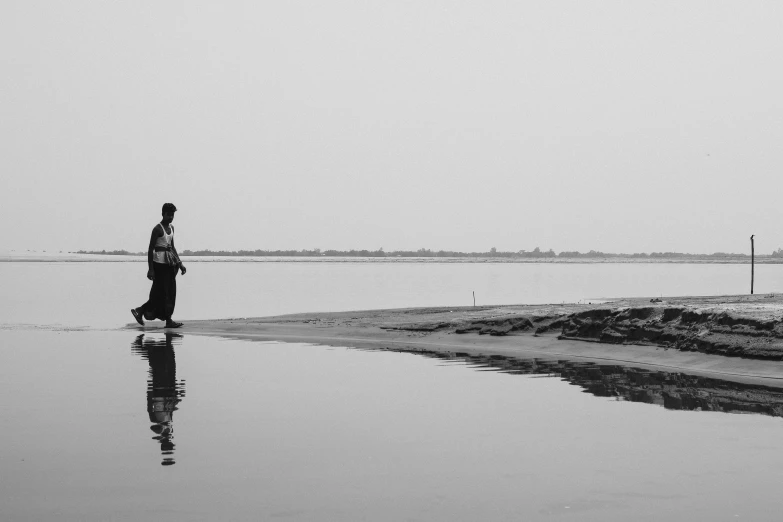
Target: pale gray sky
619 126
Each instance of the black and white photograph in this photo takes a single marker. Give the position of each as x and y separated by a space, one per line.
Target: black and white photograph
435 260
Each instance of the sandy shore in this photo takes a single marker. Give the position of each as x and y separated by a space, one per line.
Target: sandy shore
738 338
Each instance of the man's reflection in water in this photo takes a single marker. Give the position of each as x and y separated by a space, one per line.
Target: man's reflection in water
163 390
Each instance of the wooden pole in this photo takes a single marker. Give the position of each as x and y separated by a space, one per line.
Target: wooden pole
474 298
752 264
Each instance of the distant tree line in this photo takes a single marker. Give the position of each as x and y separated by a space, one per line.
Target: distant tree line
536 253
110 252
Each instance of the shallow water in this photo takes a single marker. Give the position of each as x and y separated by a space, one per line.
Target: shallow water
100 294
257 430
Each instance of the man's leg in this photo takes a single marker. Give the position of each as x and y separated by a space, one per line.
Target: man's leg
171 295
152 309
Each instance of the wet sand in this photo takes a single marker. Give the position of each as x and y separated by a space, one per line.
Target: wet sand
737 338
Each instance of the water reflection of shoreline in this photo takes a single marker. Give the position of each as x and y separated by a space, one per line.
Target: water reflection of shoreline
671 390
164 392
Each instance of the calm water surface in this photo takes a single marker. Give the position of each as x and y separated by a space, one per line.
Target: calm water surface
105 423
101 294
256 431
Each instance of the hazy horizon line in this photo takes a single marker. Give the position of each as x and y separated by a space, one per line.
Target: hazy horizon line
423 252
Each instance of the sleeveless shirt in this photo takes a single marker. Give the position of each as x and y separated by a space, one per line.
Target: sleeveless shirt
163 241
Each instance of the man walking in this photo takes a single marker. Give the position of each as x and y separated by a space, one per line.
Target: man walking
163 262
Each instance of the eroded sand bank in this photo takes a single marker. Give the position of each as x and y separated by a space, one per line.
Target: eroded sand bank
736 337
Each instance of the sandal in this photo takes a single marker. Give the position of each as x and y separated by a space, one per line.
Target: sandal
173 325
137 316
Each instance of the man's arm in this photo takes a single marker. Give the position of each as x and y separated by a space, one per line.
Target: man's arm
181 265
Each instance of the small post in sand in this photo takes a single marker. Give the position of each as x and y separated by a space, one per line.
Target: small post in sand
752 263
474 298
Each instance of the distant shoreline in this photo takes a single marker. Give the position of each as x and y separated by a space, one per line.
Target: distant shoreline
521 256
425 255
134 258
98 257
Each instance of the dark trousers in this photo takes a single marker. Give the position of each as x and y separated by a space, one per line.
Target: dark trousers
163 295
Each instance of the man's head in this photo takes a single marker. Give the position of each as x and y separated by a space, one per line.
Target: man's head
168 212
